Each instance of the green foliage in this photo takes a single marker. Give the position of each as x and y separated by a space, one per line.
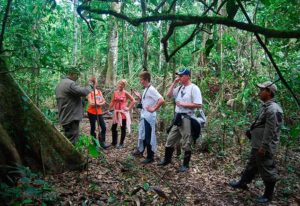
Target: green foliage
146 186
112 198
90 144
28 189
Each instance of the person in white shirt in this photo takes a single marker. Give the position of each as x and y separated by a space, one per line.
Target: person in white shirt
150 102
188 98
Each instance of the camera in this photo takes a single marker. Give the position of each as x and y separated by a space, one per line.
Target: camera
139 105
248 133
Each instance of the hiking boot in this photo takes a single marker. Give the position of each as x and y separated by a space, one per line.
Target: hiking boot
262 200
268 194
186 161
147 161
238 185
120 146
103 145
137 153
183 169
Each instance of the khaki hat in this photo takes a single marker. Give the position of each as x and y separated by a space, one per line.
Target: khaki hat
270 85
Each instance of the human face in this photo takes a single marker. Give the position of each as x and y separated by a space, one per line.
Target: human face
73 76
121 86
144 82
264 94
184 78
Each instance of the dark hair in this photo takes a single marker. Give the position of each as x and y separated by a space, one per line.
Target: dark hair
145 76
73 70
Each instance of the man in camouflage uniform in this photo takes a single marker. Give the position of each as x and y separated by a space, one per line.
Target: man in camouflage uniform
264 134
69 102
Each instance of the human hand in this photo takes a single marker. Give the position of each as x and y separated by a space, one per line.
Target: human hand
180 104
261 152
126 109
93 80
150 109
136 93
176 80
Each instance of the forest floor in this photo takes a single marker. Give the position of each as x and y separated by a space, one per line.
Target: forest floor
118 178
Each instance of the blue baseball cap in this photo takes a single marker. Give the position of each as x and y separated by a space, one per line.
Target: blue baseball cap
184 71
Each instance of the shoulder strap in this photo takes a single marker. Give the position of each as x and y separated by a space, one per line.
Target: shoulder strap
179 90
146 92
192 93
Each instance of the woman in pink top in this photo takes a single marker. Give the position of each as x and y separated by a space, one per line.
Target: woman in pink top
121 116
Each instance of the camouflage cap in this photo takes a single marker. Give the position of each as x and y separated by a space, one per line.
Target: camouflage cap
270 85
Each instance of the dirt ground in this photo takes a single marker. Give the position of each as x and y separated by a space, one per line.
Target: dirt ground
118 178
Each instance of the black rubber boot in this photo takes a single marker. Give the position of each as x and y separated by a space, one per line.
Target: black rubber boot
247 177
150 156
186 161
268 194
168 156
102 142
114 133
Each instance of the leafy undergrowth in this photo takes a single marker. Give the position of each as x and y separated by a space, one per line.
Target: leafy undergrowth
118 178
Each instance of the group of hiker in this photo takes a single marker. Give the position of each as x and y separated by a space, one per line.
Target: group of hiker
263 133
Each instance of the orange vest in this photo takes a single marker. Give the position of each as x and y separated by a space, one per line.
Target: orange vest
99 98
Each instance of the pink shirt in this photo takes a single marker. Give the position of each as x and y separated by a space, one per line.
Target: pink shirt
120 101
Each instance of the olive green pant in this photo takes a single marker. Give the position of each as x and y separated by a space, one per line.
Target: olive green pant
265 166
181 133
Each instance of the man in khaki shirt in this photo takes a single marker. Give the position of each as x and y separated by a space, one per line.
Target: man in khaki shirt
264 134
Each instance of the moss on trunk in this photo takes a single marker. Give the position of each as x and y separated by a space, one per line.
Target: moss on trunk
27 137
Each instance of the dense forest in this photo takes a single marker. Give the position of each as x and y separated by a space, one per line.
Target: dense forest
229 46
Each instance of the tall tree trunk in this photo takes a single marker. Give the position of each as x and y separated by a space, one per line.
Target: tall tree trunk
222 30
75 34
122 39
145 36
112 56
202 61
26 136
129 62
161 47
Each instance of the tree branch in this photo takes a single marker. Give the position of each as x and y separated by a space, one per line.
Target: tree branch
221 5
188 40
172 5
86 21
269 55
188 20
4 21
209 7
159 6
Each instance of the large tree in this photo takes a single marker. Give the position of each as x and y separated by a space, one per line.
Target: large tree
27 136
113 39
